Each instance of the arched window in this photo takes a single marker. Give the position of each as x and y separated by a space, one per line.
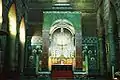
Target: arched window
22 31
0 13
12 20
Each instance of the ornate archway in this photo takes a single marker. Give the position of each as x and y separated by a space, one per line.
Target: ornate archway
62 44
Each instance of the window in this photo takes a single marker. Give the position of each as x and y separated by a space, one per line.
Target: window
0 13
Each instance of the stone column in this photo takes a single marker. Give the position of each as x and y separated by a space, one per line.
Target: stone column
79 62
111 39
117 8
45 51
101 42
118 54
4 28
109 19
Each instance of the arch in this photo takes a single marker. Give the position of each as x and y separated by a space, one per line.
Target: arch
62 43
62 23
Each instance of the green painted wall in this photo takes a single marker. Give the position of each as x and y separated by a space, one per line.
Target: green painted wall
51 16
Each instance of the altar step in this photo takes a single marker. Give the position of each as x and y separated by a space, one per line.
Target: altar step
62 74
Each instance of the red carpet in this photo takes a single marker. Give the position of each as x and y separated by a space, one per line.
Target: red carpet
62 74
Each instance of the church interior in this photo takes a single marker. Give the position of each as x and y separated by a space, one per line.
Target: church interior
59 40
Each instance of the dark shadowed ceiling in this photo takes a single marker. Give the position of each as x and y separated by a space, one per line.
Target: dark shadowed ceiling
87 7
84 5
